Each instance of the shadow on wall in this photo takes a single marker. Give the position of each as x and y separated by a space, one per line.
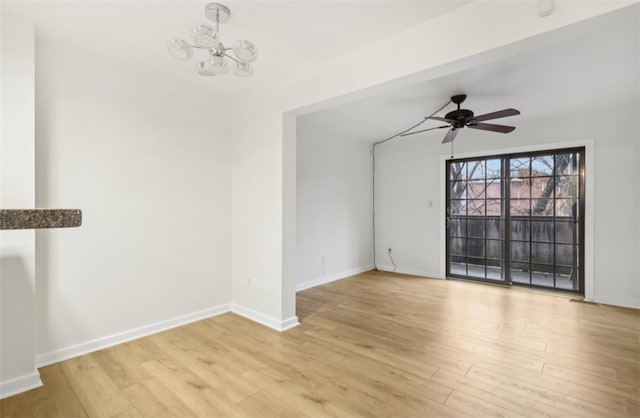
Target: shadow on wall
42 336
48 314
16 317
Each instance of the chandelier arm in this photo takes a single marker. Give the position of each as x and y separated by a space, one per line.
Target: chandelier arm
229 56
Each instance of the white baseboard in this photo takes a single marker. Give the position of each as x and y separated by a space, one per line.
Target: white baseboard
625 303
289 323
331 278
122 337
278 325
412 272
20 384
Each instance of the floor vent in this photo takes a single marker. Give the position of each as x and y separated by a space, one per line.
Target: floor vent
584 301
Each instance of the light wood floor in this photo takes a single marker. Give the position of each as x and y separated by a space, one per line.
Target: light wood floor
372 345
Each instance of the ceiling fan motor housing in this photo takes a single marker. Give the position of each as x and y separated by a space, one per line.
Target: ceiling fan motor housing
461 116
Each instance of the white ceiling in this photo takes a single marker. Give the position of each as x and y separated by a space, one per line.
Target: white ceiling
292 36
596 68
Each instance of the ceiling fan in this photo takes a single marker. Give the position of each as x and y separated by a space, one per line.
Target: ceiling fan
459 118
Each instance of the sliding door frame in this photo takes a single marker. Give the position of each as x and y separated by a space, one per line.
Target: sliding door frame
586 206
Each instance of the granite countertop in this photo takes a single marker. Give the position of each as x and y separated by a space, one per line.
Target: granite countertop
39 218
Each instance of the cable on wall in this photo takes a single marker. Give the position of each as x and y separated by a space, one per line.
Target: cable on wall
393 263
373 153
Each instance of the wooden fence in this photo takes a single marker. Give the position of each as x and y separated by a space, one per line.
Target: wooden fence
541 241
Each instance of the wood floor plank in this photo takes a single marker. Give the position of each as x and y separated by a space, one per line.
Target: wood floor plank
204 365
217 348
404 398
477 407
558 386
579 378
498 396
192 390
383 377
131 413
546 395
354 400
372 348
97 393
58 399
41 403
266 405
152 399
403 337
580 390
373 345
121 366
17 406
144 349
296 394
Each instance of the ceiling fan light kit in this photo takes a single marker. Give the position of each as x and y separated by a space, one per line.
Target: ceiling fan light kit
207 38
460 118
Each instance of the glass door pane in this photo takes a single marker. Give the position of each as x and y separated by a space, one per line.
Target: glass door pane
475 228
544 204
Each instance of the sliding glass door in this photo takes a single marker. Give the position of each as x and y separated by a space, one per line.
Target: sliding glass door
517 218
475 221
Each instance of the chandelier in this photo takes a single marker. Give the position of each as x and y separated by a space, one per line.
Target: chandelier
207 38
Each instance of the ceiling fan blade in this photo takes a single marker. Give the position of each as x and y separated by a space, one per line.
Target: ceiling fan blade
450 136
499 114
491 127
425 130
451 121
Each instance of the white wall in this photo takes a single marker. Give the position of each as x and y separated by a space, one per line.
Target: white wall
17 191
262 192
407 205
257 214
409 175
334 196
148 162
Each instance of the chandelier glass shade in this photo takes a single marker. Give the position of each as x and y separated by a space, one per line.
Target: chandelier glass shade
207 38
